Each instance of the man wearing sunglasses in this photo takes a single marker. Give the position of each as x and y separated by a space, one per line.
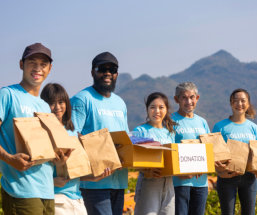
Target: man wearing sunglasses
94 108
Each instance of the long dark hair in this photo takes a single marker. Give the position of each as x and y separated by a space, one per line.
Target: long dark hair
52 92
250 113
167 121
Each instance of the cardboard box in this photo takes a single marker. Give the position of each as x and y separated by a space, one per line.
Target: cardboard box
186 159
137 156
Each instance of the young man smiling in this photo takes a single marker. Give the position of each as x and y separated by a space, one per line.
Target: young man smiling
94 108
26 189
190 191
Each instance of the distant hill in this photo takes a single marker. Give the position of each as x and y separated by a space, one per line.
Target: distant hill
216 77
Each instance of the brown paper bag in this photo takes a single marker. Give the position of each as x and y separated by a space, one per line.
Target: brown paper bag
220 148
57 132
239 156
77 165
194 141
252 159
32 139
101 151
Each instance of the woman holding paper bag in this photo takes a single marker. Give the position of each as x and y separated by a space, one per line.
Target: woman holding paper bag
237 127
156 195
68 199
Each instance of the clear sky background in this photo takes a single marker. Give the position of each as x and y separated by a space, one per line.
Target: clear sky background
156 37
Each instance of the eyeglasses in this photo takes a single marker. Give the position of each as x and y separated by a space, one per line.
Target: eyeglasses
103 69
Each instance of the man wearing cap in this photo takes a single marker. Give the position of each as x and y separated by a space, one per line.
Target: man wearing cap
94 108
26 189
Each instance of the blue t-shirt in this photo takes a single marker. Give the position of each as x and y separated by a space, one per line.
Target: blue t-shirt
241 132
190 128
71 188
37 181
161 135
91 112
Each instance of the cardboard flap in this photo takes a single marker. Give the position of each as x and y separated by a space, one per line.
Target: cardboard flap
212 134
56 130
212 138
193 141
152 147
120 137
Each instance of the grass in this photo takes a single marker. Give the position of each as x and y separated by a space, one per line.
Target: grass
212 204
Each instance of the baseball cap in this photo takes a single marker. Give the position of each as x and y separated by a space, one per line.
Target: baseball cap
37 48
105 57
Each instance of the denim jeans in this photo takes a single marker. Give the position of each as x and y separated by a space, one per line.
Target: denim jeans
190 200
227 189
103 201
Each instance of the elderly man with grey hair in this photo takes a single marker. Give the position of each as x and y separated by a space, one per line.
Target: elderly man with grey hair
191 190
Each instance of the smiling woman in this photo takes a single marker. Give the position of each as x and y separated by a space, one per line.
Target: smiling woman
156 195
237 127
68 199
56 96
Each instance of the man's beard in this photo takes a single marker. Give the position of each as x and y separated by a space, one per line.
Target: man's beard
103 88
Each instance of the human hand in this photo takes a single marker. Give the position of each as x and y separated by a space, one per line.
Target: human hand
61 157
107 172
198 175
220 167
156 172
60 181
20 161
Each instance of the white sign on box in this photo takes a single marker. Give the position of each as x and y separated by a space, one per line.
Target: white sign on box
192 158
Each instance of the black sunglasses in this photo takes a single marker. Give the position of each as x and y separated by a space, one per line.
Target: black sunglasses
103 69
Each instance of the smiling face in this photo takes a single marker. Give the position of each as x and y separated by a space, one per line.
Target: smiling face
187 101
35 70
156 111
105 77
58 107
239 103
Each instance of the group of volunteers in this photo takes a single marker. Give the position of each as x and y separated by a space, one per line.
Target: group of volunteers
29 189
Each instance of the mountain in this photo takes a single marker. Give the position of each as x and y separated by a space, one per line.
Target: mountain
216 76
135 92
123 80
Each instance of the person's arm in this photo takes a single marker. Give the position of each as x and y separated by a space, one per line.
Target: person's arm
19 161
60 181
107 172
78 114
61 157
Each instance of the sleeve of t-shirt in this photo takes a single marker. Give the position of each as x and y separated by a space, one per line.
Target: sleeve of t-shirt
78 113
255 131
5 103
126 120
137 131
205 124
216 128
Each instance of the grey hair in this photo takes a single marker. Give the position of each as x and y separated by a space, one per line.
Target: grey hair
186 86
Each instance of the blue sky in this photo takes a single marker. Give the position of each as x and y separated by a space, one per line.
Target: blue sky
158 38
